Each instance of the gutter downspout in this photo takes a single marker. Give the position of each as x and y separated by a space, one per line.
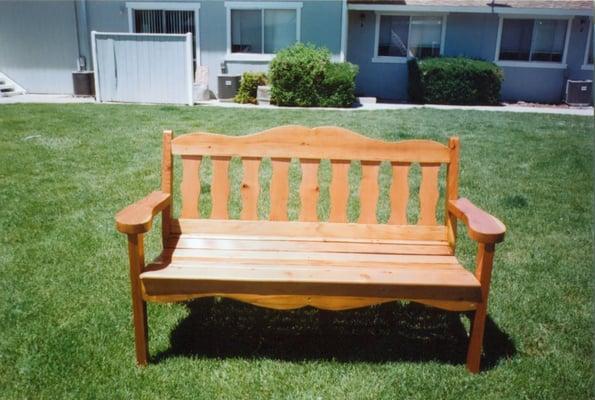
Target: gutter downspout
344 26
82 34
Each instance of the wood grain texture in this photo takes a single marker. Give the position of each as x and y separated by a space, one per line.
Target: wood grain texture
309 190
138 217
250 188
166 183
220 187
399 193
339 190
452 188
319 143
279 191
481 226
136 257
428 194
190 186
368 192
312 230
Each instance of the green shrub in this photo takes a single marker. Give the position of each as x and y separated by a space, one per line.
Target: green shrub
248 86
303 75
338 86
460 81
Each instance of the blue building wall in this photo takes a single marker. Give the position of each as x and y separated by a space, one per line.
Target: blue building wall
467 35
320 24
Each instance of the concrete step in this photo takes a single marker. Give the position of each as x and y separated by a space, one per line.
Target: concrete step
4 86
10 94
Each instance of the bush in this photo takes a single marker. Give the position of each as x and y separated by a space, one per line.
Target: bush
303 75
458 81
248 86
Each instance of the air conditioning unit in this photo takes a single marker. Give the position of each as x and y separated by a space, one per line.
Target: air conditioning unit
579 93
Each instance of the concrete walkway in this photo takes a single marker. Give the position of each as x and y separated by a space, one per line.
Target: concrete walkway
67 99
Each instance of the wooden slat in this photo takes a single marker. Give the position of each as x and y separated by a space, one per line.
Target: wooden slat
279 190
309 190
190 186
312 230
319 143
411 281
284 244
220 187
166 183
339 190
452 188
368 193
399 193
428 194
250 188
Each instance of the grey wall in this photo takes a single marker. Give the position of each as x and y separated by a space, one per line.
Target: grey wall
38 44
468 35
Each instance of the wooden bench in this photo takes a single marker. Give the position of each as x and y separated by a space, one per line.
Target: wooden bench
333 265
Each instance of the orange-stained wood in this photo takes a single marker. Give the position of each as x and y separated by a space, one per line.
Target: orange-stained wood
250 188
368 192
309 190
481 226
136 257
311 230
399 193
220 187
166 183
452 188
279 190
339 190
327 142
428 194
138 217
190 186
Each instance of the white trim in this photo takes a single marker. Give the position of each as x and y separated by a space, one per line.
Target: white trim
470 9
401 59
169 6
139 34
586 66
259 6
532 64
189 68
95 71
344 23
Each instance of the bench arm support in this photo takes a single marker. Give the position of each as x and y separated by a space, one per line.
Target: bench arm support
138 217
481 226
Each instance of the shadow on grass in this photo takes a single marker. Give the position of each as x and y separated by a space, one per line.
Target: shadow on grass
389 332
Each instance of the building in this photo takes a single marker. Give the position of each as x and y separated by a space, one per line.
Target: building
539 44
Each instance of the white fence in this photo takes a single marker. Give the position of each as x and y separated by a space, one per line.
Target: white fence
143 67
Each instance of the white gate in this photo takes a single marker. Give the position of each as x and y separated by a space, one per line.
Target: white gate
143 67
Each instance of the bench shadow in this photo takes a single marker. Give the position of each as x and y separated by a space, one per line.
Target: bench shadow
397 331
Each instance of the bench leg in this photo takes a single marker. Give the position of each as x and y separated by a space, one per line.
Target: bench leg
139 307
476 338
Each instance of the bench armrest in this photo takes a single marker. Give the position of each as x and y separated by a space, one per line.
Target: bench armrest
138 217
481 226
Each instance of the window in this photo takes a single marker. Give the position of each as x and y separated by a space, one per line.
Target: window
403 36
166 17
262 28
588 62
525 39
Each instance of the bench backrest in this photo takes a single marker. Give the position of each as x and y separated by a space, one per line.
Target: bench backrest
310 146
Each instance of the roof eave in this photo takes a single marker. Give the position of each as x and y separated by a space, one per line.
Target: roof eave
471 9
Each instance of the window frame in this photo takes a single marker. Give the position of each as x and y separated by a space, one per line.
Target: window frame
403 59
167 6
534 64
259 6
586 66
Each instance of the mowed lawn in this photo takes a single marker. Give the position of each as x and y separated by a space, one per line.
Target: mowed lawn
65 319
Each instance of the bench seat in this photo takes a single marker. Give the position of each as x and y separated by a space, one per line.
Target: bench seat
200 259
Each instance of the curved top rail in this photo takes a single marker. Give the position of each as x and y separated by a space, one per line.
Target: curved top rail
294 141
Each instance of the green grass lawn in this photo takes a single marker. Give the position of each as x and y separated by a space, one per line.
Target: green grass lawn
65 319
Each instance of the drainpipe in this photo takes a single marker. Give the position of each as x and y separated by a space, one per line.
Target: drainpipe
82 35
